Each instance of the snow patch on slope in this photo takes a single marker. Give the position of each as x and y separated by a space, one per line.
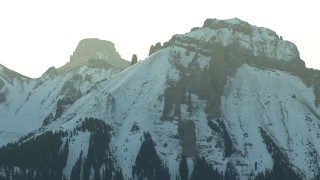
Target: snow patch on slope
77 144
275 101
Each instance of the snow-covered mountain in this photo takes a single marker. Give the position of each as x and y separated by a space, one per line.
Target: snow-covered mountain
29 104
236 94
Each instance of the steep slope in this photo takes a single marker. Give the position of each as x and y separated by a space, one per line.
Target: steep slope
236 94
257 104
132 97
278 111
12 85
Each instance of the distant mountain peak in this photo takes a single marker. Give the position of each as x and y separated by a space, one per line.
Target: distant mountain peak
95 49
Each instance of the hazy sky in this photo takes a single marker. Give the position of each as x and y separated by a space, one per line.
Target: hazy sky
38 34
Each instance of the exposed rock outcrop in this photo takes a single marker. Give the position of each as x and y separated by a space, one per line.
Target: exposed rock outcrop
95 49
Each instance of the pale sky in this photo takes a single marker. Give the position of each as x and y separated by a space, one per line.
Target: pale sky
38 34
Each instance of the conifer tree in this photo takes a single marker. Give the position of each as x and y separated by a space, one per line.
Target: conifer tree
183 168
189 103
148 164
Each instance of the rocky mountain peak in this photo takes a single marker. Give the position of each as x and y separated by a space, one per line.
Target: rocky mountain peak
95 49
258 41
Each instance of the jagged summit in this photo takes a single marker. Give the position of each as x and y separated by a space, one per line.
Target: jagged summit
259 41
95 49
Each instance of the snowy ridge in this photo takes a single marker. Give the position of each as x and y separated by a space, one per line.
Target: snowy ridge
258 40
29 103
133 104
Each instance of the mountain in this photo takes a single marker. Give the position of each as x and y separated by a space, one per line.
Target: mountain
227 100
29 104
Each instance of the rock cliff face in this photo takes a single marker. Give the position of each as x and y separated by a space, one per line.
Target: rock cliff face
95 49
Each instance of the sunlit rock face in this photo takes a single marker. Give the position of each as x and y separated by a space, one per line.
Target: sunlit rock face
95 49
